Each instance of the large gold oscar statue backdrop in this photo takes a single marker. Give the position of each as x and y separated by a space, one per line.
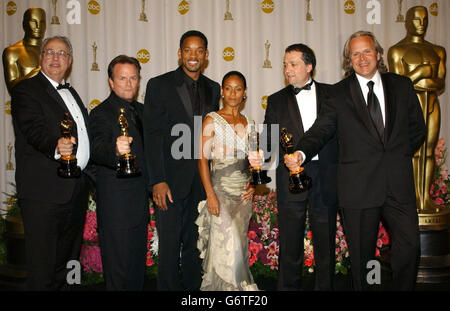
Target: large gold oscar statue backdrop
424 63
21 60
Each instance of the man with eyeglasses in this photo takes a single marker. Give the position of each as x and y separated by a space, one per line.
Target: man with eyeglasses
53 208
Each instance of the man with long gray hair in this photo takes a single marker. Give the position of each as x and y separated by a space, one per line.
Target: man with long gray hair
379 125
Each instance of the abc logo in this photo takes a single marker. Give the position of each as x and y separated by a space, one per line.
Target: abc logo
8 107
93 104
264 102
11 8
349 7
434 9
93 7
143 56
183 7
228 54
267 6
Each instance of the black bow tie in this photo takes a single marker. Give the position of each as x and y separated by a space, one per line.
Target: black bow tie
305 87
63 86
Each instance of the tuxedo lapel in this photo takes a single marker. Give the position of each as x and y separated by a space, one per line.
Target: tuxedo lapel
294 112
82 107
320 94
361 107
205 97
52 92
183 93
390 108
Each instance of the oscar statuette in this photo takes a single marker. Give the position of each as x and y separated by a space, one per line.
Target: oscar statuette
68 167
267 63
9 165
127 166
94 64
259 176
143 16
55 19
228 16
298 180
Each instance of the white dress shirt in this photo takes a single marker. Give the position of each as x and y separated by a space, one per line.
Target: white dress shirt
307 105
83 150
377 88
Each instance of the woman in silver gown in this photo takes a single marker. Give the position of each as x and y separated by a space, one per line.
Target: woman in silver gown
224 217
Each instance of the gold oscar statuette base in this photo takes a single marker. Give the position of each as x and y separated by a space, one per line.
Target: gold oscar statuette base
143 17
267 64
400 18
434 230
95 67
434 220
55 20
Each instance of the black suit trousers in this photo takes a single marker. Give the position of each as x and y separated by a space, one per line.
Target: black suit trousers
179 263
123 256
361 229
291 223
53 237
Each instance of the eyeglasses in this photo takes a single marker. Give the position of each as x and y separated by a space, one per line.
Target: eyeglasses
50 53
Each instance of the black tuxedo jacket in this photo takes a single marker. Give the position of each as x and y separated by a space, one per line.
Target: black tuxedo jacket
282 109
169 122
37 110
370 168
121 202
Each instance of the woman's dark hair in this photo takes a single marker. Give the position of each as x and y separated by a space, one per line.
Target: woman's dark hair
235 73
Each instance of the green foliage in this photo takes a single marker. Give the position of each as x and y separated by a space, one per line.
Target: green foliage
258 270
2 242
92 278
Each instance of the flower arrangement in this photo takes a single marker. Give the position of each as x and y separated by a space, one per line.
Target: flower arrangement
383 240
263 235
264 244
439 188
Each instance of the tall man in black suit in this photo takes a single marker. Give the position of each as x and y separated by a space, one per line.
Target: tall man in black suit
122 203
295 108
53 208
175 104
379 125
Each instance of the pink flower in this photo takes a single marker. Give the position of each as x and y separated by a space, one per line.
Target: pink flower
379 243
254 248
377 252
273 249
90 258
251 235
439 201
343 244
90 227
385 239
